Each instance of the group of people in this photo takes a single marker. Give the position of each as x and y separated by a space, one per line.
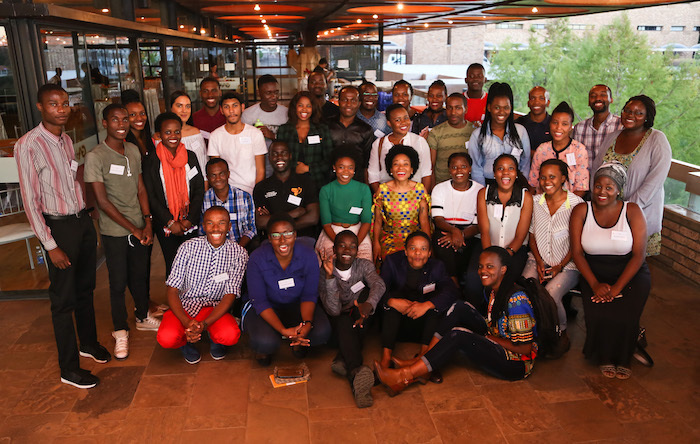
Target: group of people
310 223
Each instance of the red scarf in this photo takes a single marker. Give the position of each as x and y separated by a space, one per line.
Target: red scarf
175 179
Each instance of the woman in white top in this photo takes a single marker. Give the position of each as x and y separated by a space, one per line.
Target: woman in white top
608 242
549 259
454 214
191 137
504 211
400 124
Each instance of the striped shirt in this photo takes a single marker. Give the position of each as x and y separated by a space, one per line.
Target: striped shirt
552 231
47 178
592 138
204 274
241 210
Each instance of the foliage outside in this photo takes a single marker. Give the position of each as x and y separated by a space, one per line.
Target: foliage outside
568 66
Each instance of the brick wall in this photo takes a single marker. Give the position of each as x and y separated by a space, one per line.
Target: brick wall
680 245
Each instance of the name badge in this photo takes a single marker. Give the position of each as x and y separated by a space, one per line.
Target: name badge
191 173
357 287
618 235
294 200
498 211
286 283
245 140
571 159
560 234
466 145
379 134
221 277
116 169
355 210
429 288
205 134
516 152
313 140
73 166
233 216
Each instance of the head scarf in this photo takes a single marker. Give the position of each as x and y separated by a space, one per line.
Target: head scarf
615 171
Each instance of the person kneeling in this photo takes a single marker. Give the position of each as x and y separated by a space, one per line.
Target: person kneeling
502 344
350 291
205 280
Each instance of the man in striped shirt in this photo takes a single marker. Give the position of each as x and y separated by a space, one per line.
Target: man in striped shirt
55 207
592 131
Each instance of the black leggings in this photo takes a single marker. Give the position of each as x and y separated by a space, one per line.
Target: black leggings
464 329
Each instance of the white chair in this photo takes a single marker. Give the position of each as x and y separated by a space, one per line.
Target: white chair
17 232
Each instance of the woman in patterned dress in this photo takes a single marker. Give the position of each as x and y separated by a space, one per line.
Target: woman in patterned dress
401 205
646 155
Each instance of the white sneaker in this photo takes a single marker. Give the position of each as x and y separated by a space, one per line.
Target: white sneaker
121 346
149 323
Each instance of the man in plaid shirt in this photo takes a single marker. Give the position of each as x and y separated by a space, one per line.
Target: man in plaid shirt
203 284
592 131
238 203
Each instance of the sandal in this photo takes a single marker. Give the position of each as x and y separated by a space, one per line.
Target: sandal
609 371
623 373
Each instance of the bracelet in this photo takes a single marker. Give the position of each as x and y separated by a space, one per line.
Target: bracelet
510 249
170 224
308 322
148 216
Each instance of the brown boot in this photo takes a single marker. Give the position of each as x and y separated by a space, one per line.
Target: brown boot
398 363
395 380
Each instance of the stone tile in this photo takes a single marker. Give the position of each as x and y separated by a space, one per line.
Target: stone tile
15 382
98 428
325 388
164 391
220 395
163 424
169 362
358 431
457 392
530 414
557 381
657 431
586 420
554 436
25 360
112 397
83 439
31 428
627 399
261 391
139 356
270 424
230 434
403 418
48 396
338 414
475 425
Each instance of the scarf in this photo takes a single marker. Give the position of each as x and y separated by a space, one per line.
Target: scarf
175 180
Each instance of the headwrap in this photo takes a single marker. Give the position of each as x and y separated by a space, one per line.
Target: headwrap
615 171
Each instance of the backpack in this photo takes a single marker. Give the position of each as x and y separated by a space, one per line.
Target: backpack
546 315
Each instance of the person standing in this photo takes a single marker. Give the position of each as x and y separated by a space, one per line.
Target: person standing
433 114
317 87
536 122
449 137
368 112
113 171
476 96
592 131
55 207
209 117
242 146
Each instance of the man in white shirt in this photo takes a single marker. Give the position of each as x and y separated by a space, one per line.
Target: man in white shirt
242 146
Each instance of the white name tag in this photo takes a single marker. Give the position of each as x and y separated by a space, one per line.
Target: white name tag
379 134
516 152
355 210
286 283
294 200
466 145
429 288
571 159
245 140
313 140
205 134
233 216
73 166
618 236
498 211
191 173
357 287
116 169
221 277
560 234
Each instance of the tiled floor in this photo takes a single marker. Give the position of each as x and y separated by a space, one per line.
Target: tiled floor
154 396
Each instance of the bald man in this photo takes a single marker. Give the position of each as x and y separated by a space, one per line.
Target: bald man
536 122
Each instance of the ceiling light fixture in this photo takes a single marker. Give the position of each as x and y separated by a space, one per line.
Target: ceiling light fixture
535 10
256 8
399 6
375 16
359 20
450 22
263 21
182 26
105 10
426 25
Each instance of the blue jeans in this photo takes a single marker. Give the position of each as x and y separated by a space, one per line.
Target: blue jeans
557 287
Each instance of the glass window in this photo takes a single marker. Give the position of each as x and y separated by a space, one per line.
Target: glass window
677 28
10 124
649 28
151 59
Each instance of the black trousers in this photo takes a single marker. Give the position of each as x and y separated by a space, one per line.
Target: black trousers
169 246
127 264
350 339
71 290
464 329
395 325
266 340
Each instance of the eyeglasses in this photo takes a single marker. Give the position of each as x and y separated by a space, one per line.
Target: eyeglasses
286 234
370 94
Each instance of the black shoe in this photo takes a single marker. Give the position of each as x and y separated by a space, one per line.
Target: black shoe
96 352
80 378
436 377
264 360
217 351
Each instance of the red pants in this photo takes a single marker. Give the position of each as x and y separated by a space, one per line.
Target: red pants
224 331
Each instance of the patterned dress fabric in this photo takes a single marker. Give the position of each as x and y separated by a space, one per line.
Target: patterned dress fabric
399 215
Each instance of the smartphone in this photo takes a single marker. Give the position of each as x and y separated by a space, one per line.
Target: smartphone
290 372
548 273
